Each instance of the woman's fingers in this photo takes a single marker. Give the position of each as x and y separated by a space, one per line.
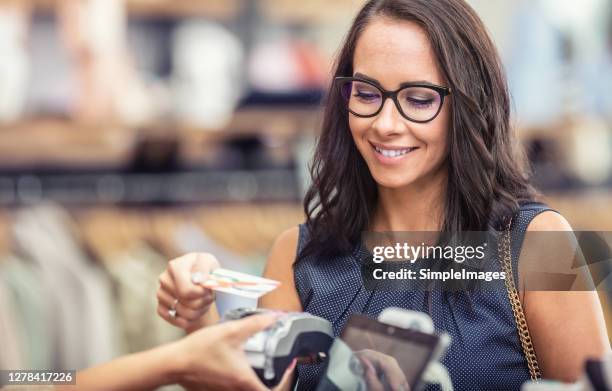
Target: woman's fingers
197 305
167 300
242 329
206 296
394 374
166 282
287 379
164 312
178 320
187 301
200 304
371 377
181 270
193 310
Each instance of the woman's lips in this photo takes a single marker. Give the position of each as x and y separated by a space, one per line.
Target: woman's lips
391 154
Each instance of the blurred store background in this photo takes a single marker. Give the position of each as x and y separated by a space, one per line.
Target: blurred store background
133 131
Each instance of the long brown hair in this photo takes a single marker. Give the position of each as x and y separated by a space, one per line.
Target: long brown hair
487 178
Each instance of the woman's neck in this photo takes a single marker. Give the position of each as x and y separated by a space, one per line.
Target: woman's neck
418 207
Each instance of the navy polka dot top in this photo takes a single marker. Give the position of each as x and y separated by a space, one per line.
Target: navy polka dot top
485 351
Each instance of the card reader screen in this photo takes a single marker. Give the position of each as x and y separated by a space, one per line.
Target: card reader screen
397 356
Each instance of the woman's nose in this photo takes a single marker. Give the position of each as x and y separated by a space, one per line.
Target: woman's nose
389 120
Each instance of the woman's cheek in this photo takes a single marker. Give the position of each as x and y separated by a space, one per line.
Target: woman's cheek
358 126
358 131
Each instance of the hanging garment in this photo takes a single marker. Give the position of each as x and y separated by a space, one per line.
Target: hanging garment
11 354
135 277
30 297
86 329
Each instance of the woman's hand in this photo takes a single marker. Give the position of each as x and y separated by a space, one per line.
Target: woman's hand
213 358
181 302
381 369
209 359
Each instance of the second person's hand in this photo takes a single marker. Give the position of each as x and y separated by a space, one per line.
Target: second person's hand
214 359
180 301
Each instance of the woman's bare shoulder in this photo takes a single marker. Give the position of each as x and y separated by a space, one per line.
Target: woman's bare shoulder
549 221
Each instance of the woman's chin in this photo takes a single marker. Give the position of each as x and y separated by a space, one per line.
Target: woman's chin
389 182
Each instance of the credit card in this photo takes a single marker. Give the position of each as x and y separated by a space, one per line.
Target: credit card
235 283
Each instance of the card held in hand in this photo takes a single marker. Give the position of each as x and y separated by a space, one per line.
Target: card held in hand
235 283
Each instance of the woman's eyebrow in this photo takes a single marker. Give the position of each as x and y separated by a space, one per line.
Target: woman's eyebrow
368 78
404 84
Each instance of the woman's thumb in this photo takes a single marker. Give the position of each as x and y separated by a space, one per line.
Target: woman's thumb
245 328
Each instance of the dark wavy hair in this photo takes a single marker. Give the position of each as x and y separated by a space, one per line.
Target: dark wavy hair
488 175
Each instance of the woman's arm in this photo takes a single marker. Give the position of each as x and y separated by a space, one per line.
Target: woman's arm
211 358
195 306
139 371
567 327
280 267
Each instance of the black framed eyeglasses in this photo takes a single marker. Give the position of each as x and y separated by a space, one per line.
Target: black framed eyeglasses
417 102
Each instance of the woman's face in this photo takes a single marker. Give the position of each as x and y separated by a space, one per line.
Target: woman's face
399 152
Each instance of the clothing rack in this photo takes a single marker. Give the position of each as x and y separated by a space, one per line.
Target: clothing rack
274 185
77 285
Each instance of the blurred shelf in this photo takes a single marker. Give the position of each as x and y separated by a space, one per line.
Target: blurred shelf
312 11
584 209
137 189
276 11
44 142
265 121
216 9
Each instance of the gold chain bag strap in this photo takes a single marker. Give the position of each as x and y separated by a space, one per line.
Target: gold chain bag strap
517 308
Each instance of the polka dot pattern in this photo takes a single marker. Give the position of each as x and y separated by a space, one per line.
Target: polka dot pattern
485 352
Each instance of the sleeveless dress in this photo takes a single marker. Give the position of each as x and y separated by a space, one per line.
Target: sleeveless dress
485 351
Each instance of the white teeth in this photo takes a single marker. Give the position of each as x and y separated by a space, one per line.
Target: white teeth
393 152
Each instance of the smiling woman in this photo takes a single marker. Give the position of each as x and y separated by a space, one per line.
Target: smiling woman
416 136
